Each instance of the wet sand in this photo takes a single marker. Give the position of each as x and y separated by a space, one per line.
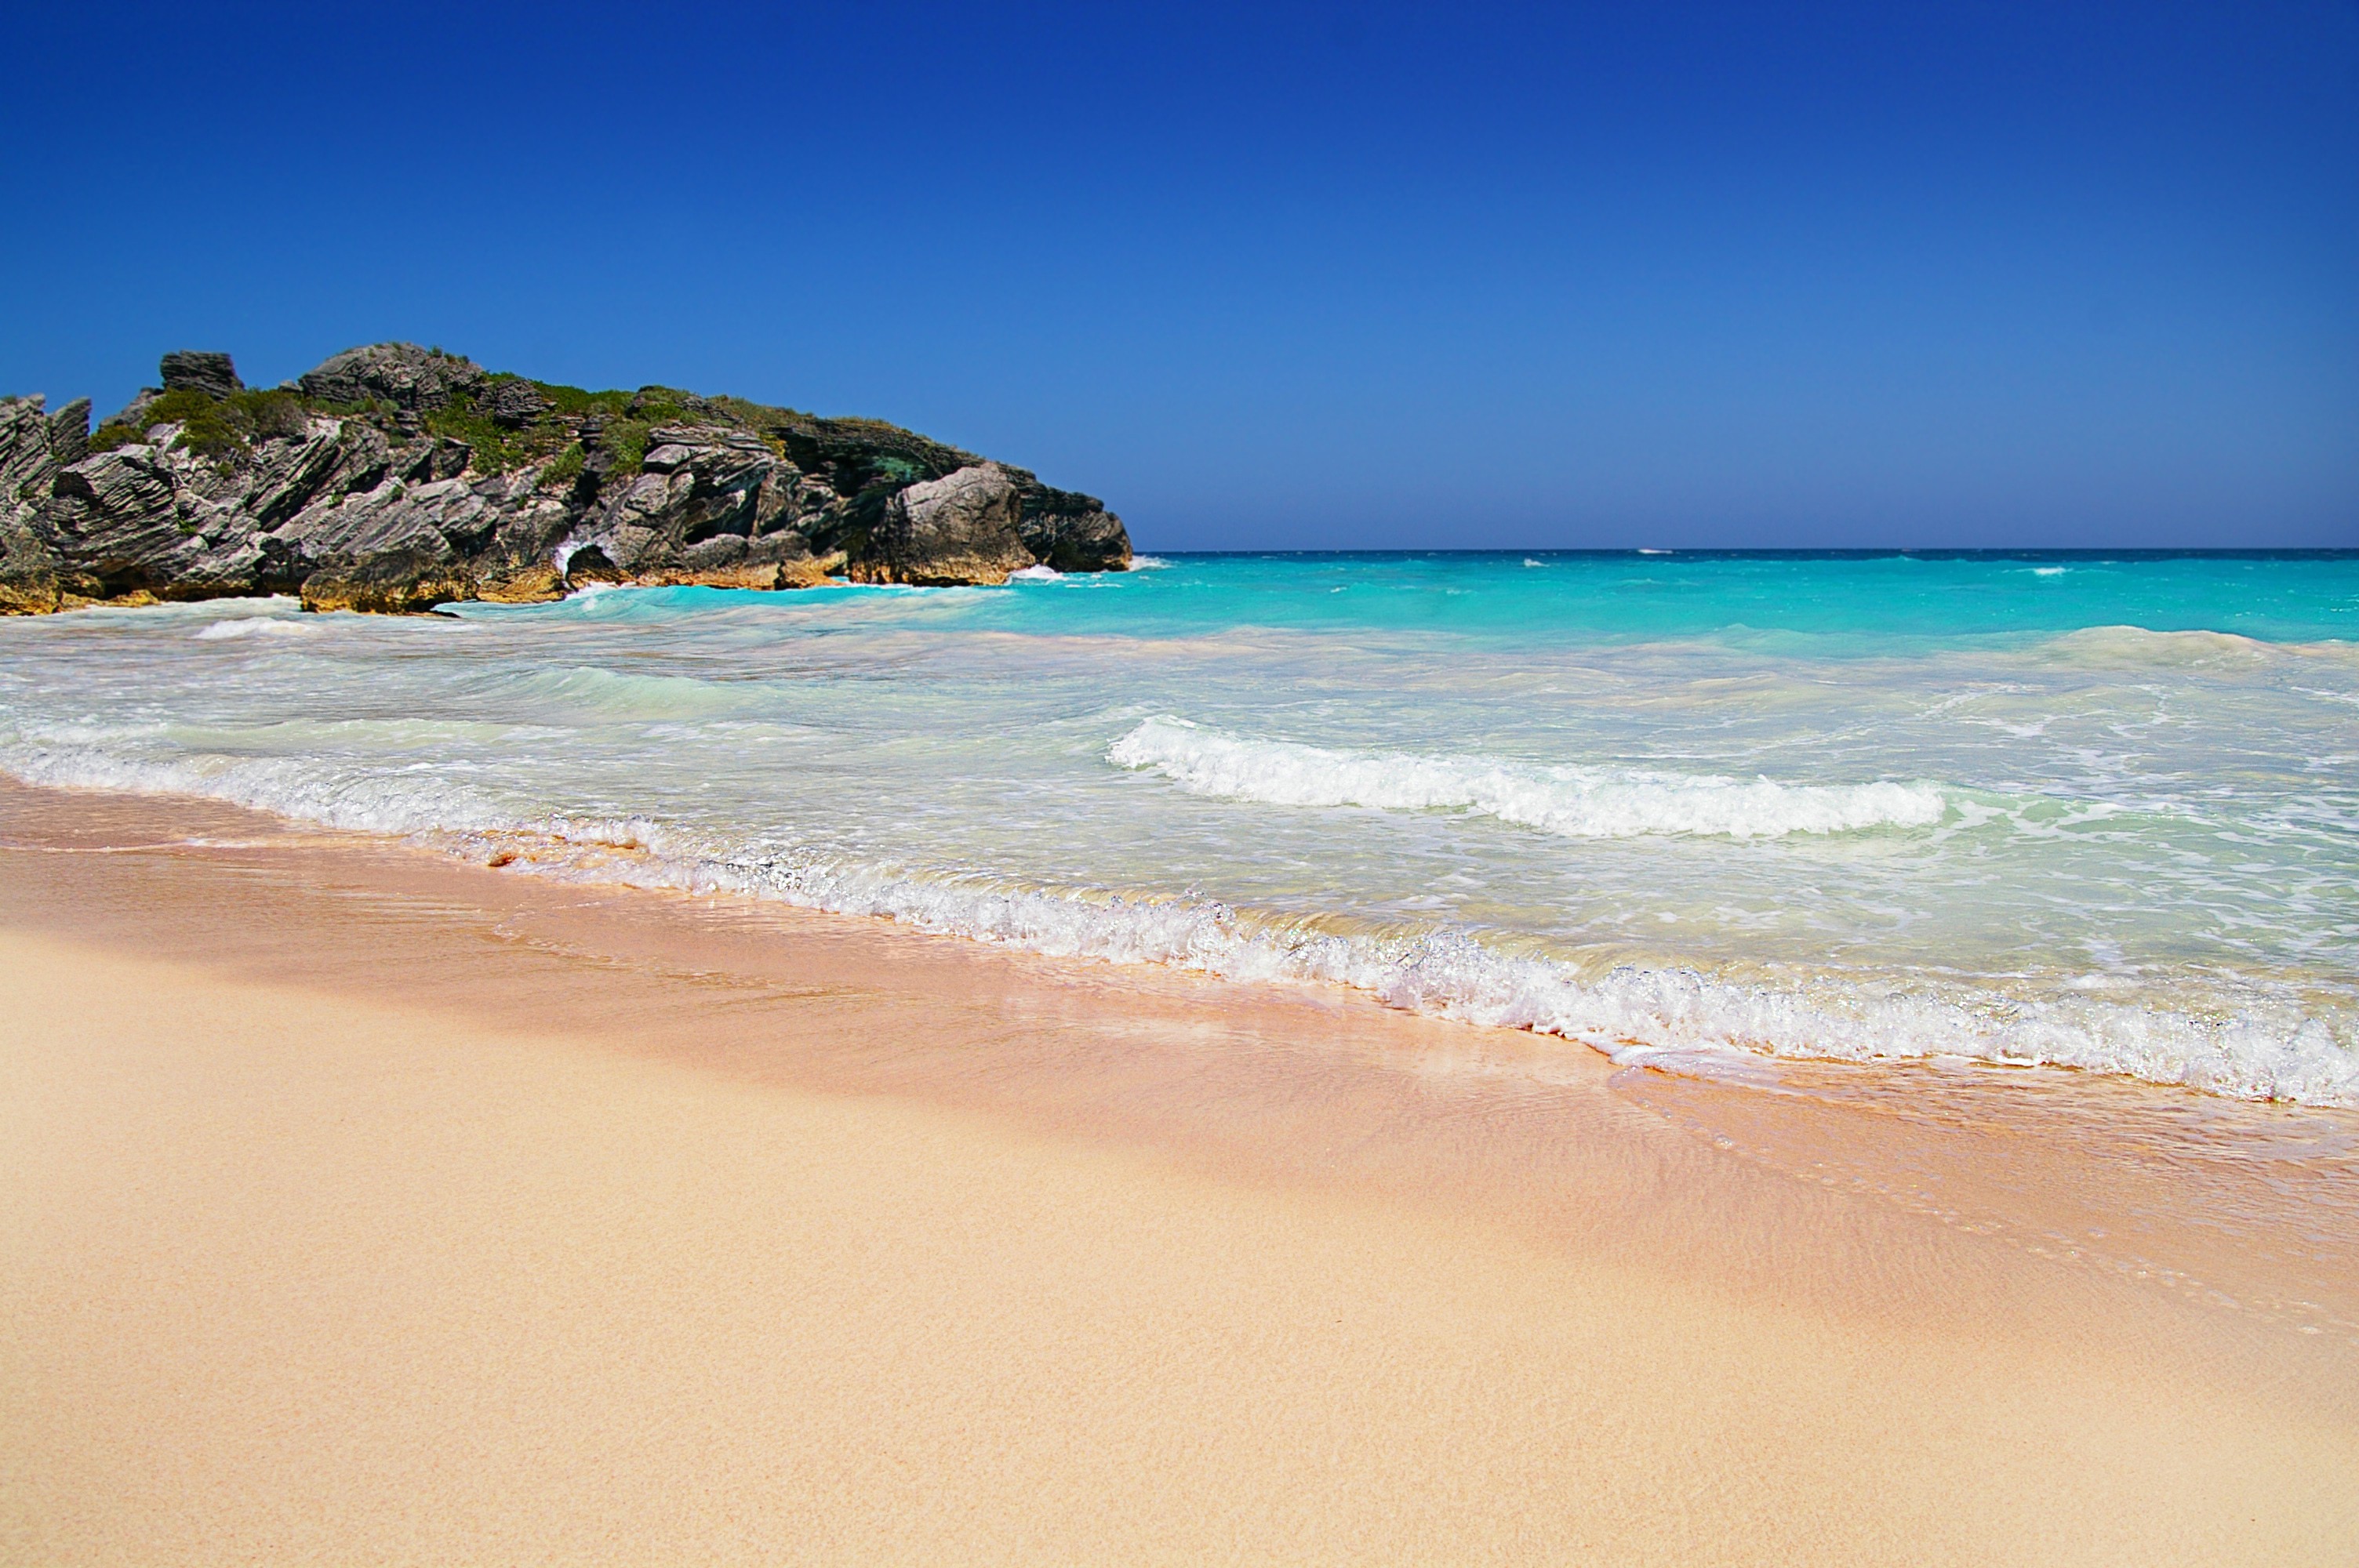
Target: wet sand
356 1204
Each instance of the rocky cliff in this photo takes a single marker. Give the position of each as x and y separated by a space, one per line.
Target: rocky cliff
396 478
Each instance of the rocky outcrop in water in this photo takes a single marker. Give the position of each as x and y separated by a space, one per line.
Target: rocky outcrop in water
393 478
962 527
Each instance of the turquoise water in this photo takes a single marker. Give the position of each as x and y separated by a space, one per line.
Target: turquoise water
2096 810
1856 603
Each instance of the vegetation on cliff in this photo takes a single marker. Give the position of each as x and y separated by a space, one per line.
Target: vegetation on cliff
395 477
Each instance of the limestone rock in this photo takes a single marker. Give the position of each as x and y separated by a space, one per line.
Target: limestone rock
28 567
150 517
122 519
442 520
454 535
212 374
403 375
398 583
435 458
29 575
517 564
26 457
353 487
516 402
712 505
1073 533
536 583
69 432
961 528
585 565
134 414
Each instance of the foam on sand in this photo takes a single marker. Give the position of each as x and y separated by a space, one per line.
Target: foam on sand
1672 1018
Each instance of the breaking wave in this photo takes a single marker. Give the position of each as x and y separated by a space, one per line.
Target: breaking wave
2136 647
1664 1017
243 626
1574 802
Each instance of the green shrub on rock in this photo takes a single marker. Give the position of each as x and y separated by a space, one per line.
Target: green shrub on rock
566 466
624 442
578 403
274 413
773 498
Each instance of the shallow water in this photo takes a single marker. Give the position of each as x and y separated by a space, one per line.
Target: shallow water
2095 811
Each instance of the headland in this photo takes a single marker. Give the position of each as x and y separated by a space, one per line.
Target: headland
394 478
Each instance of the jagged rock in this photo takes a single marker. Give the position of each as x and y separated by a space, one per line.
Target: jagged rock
398 583
961 528
69 432
587 564
712 505
340 487
157 523
516 402
120 520
403 375
1070 531
134 414
333 458
28 568
518 564
535 584
442 520
212 375
29 575
856 455
465 534
437 458
26 457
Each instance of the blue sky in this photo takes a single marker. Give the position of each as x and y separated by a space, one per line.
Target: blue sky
1286 277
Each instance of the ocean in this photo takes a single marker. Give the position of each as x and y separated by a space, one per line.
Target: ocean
1691 809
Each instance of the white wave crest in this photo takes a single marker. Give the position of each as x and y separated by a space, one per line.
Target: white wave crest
253 626
1574 802
2135 647
398 804
1638 1016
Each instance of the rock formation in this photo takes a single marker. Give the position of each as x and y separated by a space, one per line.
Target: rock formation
212 375
393 478
962 527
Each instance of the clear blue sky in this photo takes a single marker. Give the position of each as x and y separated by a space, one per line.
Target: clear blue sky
1287 277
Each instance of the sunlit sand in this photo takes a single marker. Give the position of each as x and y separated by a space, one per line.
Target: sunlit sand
364 1206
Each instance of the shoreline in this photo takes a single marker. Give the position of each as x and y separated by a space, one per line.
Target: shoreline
1636 1015
1121 1262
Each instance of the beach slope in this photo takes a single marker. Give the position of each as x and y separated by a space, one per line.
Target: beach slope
517 1252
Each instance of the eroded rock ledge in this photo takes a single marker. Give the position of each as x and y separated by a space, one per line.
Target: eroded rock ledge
394 478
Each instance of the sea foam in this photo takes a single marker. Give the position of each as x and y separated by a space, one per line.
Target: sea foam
1669 1018
243 626
2139 860
1579 802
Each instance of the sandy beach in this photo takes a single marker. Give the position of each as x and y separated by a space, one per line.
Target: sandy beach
359 1205
1291 784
